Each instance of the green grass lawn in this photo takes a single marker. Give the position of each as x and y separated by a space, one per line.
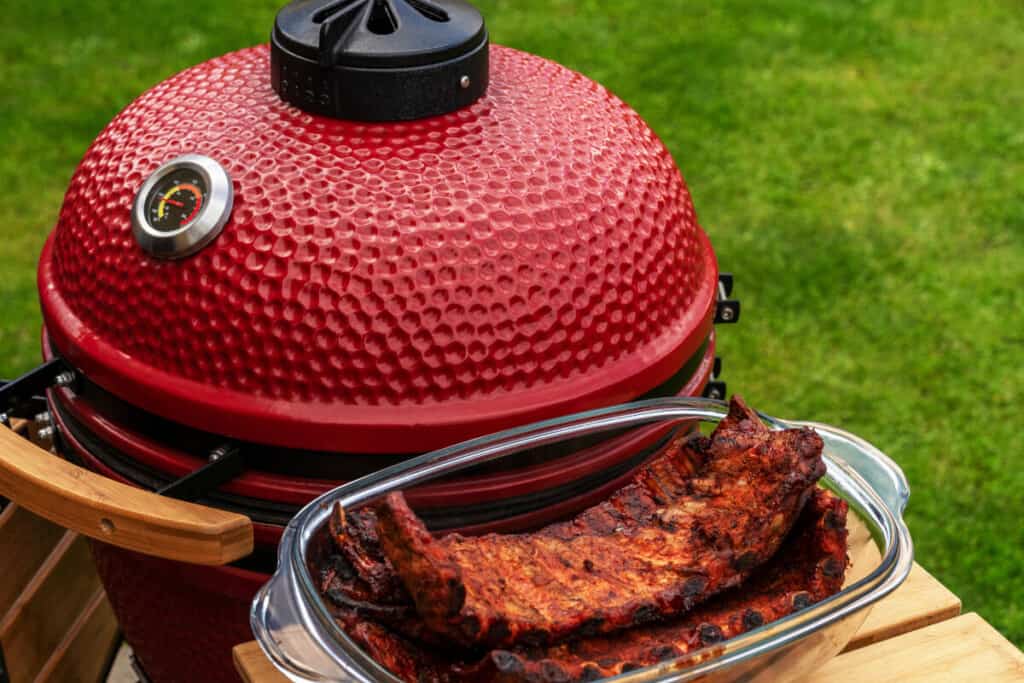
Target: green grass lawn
858 165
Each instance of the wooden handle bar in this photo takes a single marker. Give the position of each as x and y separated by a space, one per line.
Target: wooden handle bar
116 513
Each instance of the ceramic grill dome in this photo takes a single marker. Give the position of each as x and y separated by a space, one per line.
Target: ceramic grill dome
292 266
384 286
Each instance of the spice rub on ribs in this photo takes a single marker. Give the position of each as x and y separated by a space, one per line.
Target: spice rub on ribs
808 567
647 554
359 572
360 582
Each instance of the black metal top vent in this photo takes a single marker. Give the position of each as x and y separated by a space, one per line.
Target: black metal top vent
379 60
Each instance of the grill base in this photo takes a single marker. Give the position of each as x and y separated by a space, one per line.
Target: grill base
181 620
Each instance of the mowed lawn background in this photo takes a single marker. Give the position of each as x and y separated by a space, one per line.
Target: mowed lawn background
858 165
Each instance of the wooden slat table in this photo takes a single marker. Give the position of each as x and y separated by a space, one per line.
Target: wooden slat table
914 635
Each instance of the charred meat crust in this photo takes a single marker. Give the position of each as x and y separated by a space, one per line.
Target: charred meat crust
792 580
362 573
360 583
696 521
796 577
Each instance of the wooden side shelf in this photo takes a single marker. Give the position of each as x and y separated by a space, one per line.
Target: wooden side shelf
919 602
253 665
26 541
898 629
56 625
966 648
85 651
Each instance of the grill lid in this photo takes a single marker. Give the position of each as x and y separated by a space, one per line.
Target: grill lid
390 287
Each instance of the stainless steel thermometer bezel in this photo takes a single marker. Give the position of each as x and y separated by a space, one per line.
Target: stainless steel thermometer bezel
200 231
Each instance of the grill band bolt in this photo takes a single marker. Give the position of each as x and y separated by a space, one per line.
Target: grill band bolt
64 379
727 309
221 452
224 463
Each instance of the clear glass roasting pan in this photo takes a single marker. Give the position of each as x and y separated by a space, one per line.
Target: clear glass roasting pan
295 629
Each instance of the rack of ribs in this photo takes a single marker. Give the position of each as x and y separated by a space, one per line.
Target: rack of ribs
696 521
808 567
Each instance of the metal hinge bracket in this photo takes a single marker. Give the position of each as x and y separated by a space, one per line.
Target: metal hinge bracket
727 309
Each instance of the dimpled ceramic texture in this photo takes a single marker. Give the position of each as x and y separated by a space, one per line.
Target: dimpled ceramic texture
384 288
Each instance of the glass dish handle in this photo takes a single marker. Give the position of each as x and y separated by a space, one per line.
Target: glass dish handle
283 626
877 468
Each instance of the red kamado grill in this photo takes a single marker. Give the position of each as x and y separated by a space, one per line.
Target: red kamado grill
296 264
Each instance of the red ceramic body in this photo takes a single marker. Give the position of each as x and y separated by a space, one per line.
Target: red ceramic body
385 288
181 620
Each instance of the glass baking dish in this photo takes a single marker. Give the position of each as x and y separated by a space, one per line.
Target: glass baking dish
296 631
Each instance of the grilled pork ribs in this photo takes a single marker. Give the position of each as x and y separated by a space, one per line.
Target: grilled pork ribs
808 567
372 604
627 562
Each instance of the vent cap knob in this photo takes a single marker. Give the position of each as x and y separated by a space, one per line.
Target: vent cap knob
379 60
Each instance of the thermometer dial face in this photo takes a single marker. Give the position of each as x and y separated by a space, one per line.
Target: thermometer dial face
182 207
176 200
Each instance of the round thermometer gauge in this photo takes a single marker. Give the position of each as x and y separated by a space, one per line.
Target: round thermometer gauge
182 206
176 200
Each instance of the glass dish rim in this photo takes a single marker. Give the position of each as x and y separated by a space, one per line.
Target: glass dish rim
882 514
